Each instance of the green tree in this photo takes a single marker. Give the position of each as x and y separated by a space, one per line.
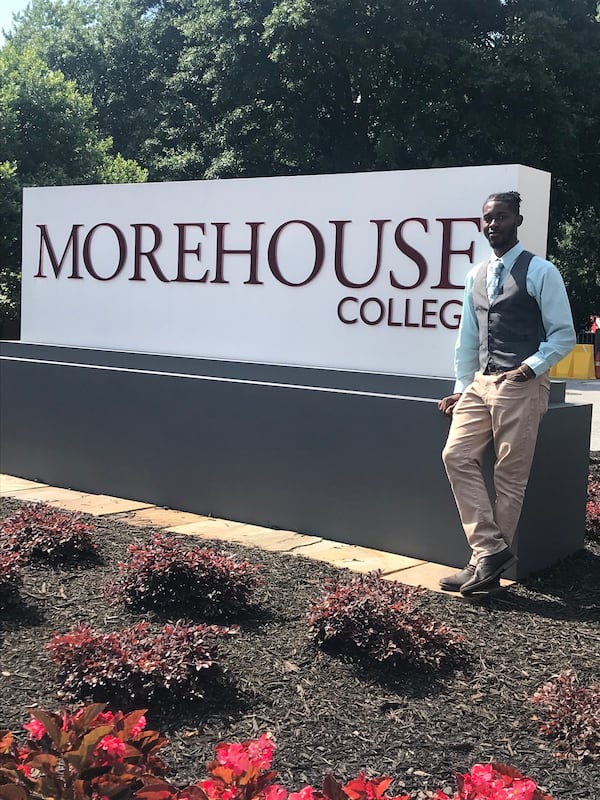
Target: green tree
120 53
220 88
48 136
576 252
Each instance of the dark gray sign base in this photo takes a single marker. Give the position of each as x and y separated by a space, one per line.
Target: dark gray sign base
353 457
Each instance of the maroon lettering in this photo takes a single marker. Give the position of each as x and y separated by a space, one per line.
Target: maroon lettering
252 252
455 317
183 250
149 254
426 313
87 251
412 253
390 318
407 315
340 224
72 243
379 314
339 310
319 252
447 251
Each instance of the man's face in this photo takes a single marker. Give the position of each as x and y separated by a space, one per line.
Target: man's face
500 224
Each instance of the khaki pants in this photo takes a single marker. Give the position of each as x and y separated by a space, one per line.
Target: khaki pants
508 414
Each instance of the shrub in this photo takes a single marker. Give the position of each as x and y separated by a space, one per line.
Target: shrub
134 663
376 618
166 574
91 754
592 509
38 531
570 714
10 578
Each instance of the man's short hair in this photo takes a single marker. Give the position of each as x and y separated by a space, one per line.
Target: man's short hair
512 199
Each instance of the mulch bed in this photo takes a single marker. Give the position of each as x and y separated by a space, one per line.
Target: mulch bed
328 713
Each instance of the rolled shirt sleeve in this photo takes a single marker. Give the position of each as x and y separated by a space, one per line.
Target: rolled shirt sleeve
545 284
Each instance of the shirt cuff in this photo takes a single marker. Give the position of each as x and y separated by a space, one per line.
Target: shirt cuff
538 365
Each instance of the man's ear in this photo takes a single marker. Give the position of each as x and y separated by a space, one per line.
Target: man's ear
519 220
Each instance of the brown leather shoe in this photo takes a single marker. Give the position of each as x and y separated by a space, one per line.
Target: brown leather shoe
488 571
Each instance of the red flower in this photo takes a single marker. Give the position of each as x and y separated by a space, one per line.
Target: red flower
306 793
261 751
216 790
110 750
36 729
492 782
139 726
363 788
103 718
233 756
275 792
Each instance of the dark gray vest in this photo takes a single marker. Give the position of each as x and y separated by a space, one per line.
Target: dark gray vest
511 328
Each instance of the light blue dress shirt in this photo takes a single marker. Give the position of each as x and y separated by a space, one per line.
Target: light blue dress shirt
545 285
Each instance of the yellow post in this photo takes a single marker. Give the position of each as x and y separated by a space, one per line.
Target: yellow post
578 364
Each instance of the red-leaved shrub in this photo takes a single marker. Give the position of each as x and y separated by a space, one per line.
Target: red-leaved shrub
10 578
95 755
168 574
179 661
376 618
38 531
592 509
569 713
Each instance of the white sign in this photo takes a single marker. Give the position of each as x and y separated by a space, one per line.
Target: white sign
357 271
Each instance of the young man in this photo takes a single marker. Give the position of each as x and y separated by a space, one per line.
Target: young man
516 324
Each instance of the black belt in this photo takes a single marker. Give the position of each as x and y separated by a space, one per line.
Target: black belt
493 371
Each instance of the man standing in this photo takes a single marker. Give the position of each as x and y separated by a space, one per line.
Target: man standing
516 324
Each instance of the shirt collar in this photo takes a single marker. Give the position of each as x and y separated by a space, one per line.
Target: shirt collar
509 258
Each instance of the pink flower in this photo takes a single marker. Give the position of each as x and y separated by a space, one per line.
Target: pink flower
520 789
139 726
104 718
306 793
25 769
110 749
217 791
276 792
35 728
234 757
261 751
486 783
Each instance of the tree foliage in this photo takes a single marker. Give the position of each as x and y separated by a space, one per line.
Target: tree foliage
218 88
48 136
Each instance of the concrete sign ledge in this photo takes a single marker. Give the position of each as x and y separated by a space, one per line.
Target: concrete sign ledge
347 457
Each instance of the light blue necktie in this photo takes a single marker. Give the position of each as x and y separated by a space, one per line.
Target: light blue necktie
493 286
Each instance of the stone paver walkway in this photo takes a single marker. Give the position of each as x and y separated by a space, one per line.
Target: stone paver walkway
407 570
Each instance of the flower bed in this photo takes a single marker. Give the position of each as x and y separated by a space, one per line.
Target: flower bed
332 713
95 754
